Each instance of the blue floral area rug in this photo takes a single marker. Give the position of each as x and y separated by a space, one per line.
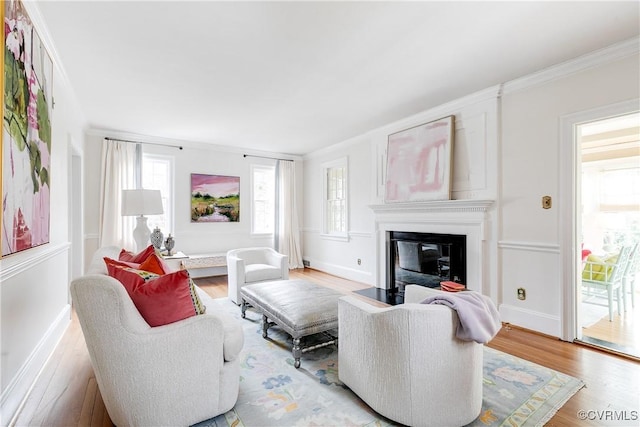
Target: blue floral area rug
274 393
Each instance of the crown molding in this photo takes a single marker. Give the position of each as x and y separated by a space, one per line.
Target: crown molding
594 59
434 113
41 28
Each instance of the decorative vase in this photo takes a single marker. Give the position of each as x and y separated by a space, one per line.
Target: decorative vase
169 244
156 238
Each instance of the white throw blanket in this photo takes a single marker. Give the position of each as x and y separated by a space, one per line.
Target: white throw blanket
478 316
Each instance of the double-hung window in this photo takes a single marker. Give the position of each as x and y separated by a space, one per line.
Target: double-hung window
335 201
157 174
263 183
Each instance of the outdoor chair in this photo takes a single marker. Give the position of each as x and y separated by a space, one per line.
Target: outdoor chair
608 276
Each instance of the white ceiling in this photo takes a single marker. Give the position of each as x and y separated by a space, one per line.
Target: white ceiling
293 77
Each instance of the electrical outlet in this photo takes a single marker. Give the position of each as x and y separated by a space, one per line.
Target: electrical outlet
522 294
359 261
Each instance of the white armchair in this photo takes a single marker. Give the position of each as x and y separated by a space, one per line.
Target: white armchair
253 265
406 363
172 375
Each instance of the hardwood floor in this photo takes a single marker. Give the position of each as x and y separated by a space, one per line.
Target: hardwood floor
66 393
621 334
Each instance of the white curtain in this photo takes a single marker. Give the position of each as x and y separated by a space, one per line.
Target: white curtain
117 174
287 228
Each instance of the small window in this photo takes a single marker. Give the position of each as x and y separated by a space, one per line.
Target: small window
621 188
157 174
335 199
263 180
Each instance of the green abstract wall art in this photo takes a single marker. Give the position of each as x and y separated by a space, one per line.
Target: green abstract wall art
26 133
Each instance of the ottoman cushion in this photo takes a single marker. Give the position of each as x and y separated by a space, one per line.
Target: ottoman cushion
300 307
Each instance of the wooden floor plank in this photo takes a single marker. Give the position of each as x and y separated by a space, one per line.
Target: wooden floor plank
89 402
66 393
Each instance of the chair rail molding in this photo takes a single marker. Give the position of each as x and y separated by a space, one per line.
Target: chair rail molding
530 246
22 261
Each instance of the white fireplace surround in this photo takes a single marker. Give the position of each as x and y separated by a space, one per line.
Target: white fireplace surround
463 217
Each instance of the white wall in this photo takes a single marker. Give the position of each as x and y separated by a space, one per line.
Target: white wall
530 243
508 152
34 284
191 238
474 177
336 256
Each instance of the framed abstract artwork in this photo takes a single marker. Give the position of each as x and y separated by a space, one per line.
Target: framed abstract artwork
215 198
26 133
419 162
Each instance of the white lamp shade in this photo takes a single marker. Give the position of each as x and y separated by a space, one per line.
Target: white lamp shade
141 202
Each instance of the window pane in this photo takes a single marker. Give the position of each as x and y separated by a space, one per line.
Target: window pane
157 175
621 187
263 190
335 200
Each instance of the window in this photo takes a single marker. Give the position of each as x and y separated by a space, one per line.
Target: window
157 174
263 183
610 204
335 198
620 189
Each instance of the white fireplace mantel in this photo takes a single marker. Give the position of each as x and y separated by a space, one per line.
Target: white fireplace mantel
463 217
435 206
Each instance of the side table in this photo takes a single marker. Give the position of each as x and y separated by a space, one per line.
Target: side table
205 265
174 261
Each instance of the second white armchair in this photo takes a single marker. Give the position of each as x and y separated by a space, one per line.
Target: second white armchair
406 363
253 265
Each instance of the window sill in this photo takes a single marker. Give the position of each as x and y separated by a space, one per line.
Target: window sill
261 235
336 237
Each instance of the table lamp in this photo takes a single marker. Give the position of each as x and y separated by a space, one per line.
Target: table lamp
141 202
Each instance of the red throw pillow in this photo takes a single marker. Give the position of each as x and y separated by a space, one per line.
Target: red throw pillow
160 299
139 257
114 262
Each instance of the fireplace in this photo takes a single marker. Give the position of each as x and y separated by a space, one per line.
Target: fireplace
424 259
470 220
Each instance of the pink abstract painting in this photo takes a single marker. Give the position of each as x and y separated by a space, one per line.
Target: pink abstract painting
26 134
419 162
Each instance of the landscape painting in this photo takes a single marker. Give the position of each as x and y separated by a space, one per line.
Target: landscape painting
215 198
419 162
26 134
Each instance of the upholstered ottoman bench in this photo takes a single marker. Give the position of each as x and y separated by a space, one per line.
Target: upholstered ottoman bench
299 307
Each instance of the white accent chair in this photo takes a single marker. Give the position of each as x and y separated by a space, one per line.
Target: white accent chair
629 280
406 363
252 265
173 375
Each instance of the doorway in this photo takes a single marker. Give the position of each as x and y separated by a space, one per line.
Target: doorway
76 259
608 214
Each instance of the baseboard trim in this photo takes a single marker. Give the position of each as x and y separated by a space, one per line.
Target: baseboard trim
340 271
533 320
16 392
